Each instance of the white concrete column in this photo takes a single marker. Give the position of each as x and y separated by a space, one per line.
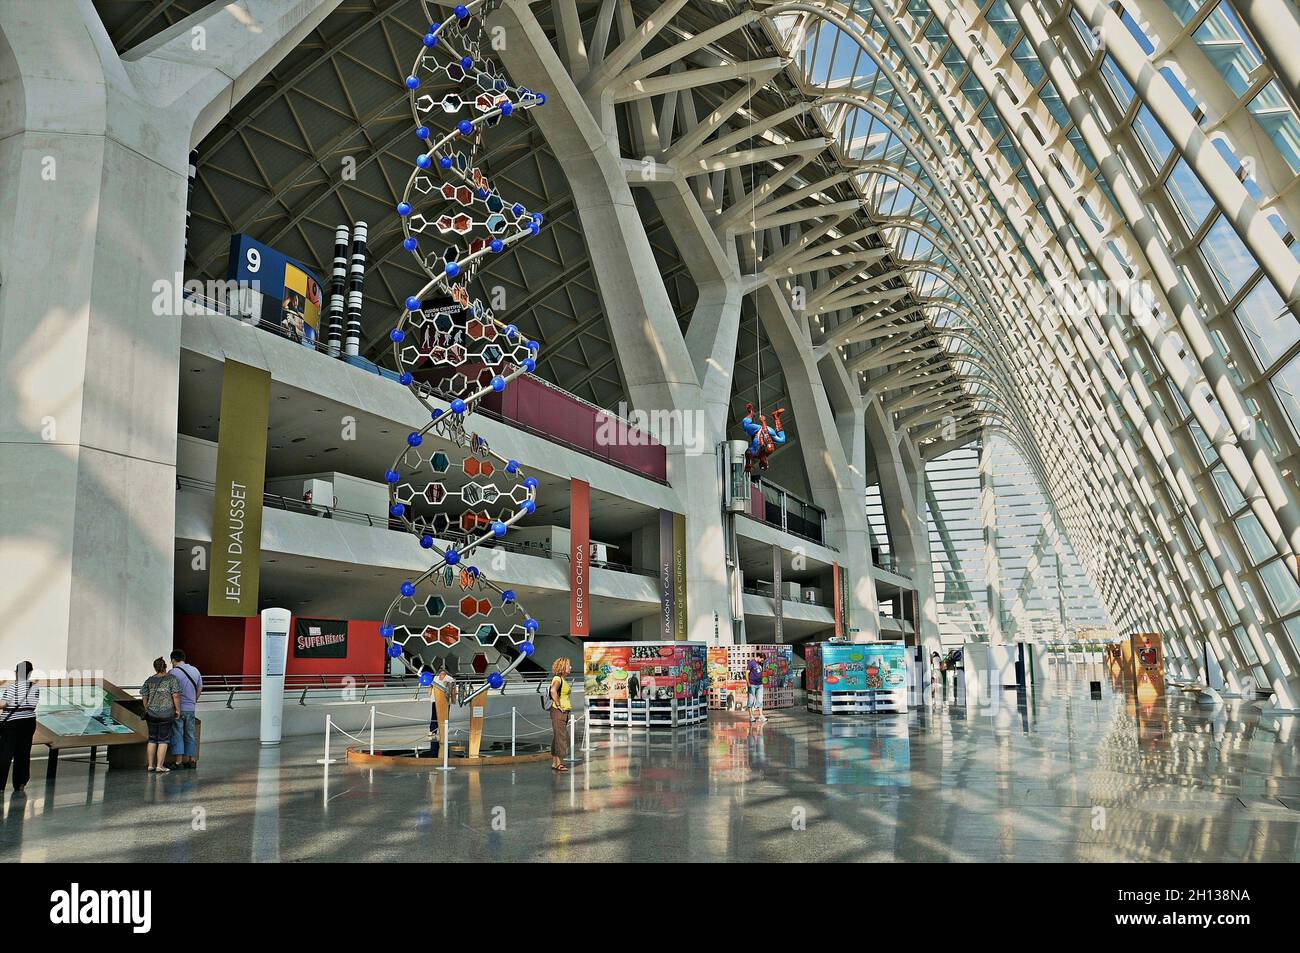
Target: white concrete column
836 472
988 504
654 360
93 165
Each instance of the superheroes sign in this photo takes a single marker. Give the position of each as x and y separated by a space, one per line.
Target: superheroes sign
1148 662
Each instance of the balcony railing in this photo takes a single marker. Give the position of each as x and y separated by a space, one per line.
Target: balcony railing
292 505
776 506
767 592
546 411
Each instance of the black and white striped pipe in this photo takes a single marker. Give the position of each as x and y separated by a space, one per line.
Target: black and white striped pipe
356 284
338 290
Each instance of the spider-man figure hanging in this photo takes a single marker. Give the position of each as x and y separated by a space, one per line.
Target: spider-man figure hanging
762 438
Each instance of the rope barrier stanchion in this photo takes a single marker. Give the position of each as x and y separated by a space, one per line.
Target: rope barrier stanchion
573 757
512 732
329 723
586 735
446 746
372 729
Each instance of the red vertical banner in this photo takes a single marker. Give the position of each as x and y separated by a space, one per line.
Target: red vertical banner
579 558
839 602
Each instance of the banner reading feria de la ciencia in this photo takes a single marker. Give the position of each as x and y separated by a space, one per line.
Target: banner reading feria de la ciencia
234 563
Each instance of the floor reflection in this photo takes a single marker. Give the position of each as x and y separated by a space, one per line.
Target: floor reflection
1049 775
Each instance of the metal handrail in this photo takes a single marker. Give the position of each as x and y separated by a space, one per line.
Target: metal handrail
232 684
769 593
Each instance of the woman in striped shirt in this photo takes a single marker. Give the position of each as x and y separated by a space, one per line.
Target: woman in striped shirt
18 704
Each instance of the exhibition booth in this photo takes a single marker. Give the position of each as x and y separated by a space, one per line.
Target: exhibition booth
729 675
856 677
645 684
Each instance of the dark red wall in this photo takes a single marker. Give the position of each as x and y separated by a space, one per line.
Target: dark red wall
220 646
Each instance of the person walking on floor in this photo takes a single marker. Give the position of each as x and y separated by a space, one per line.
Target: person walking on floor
754 676
161 694
17 726
561 708
185 743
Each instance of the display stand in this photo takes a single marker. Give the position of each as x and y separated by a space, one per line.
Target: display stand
79 712
644 684
849 678
729 675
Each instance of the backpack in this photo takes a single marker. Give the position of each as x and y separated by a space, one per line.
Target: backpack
544 690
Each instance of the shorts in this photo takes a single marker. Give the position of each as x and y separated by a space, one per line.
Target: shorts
184 740
755 697
160 730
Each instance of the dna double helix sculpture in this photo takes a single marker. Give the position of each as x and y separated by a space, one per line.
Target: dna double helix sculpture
452 351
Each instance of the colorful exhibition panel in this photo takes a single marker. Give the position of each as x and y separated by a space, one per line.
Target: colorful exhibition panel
848 677
651 684
729 675
275 289
1148 672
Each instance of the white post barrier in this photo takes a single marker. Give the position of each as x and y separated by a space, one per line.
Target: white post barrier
573 755
329 723
586 735
512 732
446 746
372 729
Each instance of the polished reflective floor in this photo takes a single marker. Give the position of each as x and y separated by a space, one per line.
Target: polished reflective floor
1057 776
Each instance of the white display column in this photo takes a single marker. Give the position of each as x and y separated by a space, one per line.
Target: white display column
94 156
275 654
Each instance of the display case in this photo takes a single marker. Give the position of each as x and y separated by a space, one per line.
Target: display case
856 677
645 684
729 675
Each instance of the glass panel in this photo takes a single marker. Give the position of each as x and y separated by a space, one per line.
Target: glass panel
1189 196
1003 22
1151 134
1292 628
1254 538
1184 9
1221 41
1229 612
1274 115
1116 83
1230 263
1281 587
1286 385
1267 323
1228 492
1028 62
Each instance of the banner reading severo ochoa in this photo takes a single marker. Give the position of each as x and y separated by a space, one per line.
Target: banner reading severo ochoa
235 563
320 638
579 558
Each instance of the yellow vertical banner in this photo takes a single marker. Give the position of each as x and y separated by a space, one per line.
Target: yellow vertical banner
680 628
234 563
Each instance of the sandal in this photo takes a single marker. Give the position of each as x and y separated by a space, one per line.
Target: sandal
149 768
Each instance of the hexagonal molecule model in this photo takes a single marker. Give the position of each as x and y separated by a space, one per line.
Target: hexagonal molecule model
453 492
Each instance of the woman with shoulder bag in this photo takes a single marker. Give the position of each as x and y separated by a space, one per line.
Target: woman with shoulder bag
161 694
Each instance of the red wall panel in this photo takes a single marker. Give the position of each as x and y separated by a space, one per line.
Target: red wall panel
233 647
